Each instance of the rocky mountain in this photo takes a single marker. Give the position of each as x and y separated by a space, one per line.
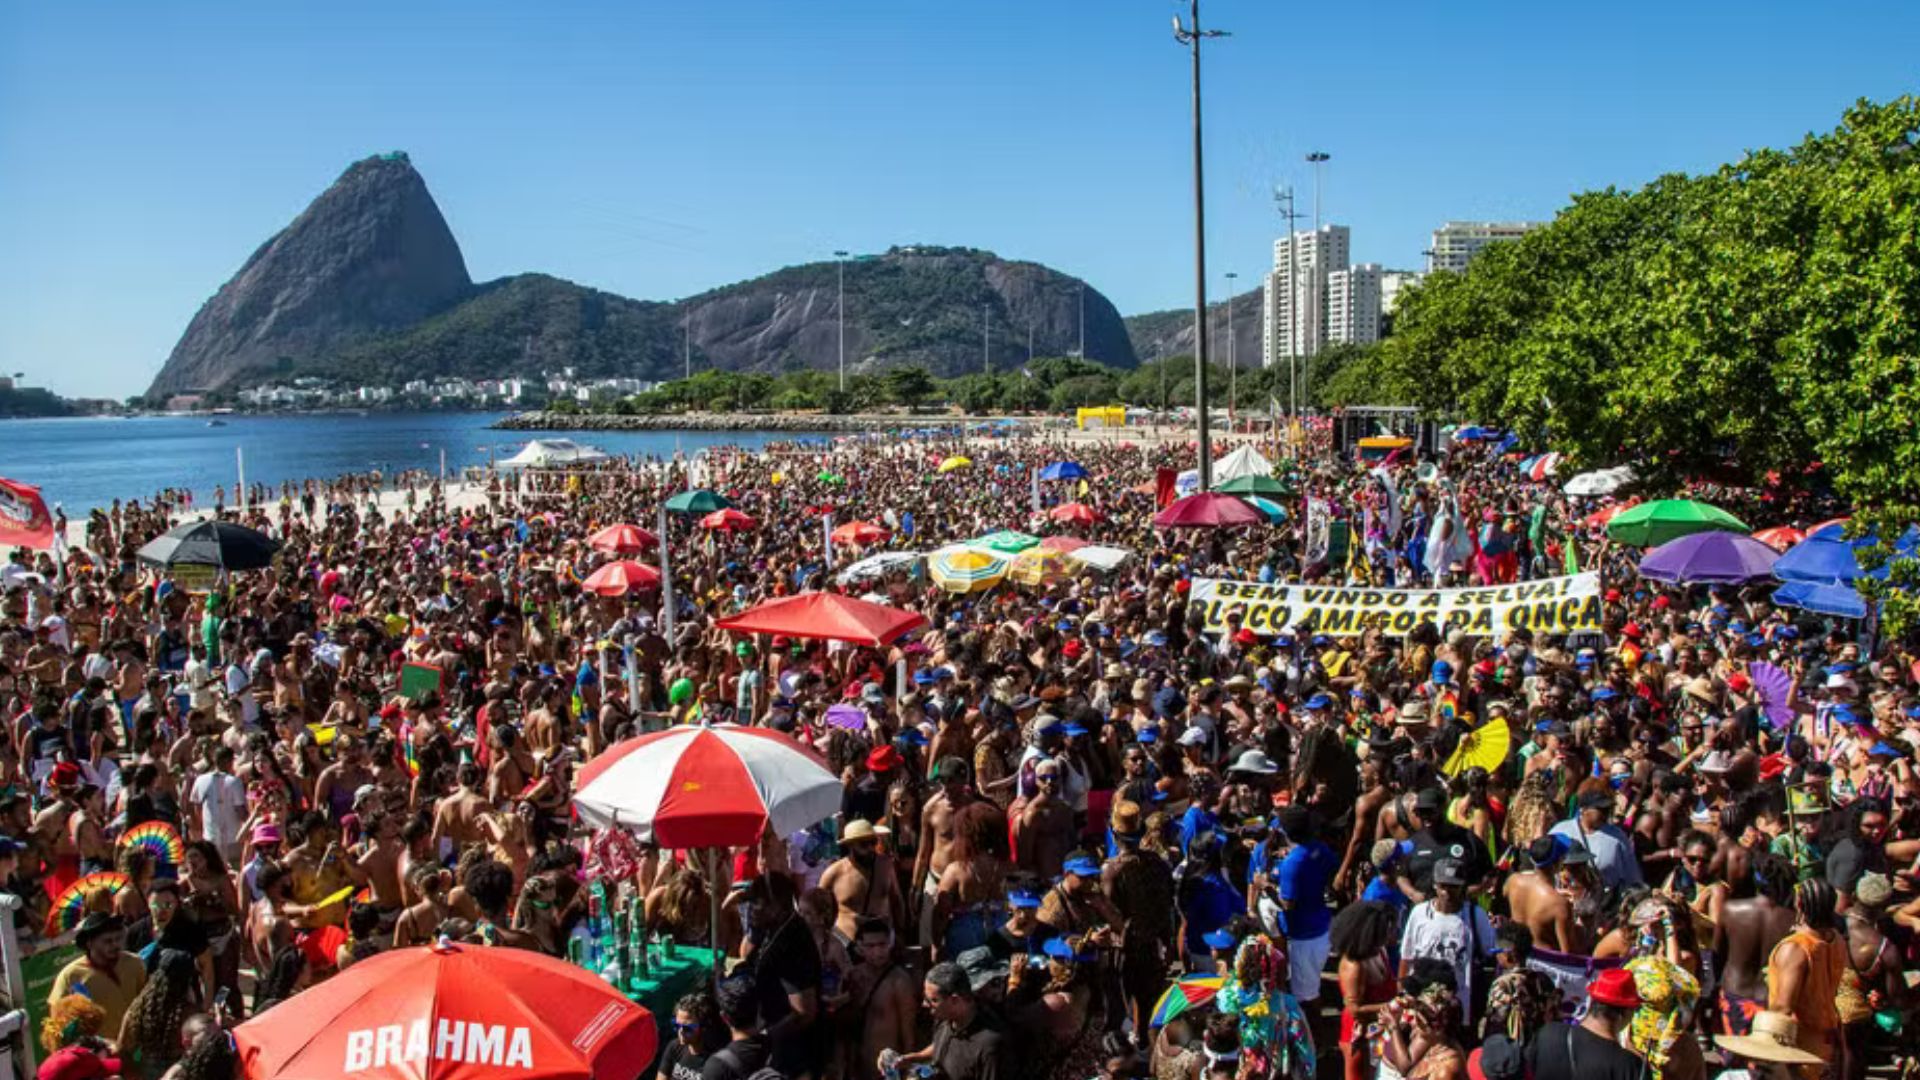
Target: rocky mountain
368 285
370 255
1157 335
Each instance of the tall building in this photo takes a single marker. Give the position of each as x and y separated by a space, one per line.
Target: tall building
1294 307
1457 242
1353 305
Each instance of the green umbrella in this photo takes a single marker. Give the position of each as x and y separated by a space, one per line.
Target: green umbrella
1252 485
1651 524
699 501
1008 541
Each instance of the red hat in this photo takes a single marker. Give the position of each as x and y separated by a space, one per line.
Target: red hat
390 710
1244 636
1072 649
1632 631
1662 603
1772 766
1615 987
1613 596
65 774
1739 683
1484 667
883 759
1182 586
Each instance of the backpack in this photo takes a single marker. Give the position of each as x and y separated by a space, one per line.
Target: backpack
764 1072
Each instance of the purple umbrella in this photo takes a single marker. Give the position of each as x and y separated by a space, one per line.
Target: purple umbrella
851 717
1712 558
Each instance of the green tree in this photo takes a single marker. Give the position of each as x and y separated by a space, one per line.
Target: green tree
910 385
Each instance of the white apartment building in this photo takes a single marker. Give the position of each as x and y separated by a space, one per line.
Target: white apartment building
1294 304
1353 305
1392 282
1457 242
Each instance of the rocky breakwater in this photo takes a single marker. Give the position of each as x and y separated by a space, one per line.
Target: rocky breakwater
712 421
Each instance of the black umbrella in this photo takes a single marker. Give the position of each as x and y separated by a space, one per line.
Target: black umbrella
210 543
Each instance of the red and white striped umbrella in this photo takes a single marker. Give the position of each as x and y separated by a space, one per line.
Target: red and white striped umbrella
700 786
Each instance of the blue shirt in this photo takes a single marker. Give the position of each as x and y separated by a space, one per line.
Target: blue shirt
1211 905
1194 822
1386 892
1305 873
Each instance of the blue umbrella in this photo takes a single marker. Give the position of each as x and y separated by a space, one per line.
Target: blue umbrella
1819 559
1063 470
1822 598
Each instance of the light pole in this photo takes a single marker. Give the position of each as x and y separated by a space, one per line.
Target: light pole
840 309
1233 362
1192 37
1318 160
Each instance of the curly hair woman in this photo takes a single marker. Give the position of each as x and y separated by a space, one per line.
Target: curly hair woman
72 1030
150 1035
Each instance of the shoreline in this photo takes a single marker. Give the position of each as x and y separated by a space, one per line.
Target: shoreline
798 423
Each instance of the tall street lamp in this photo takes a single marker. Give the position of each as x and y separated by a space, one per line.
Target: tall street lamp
1191 36
1318 159
840 308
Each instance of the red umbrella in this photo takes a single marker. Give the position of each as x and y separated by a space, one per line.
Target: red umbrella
728 519
826 615
1064 544
623 540
860 533
452 1012
696 786
1606 513
1207 510
622 577
1780 537
1076 513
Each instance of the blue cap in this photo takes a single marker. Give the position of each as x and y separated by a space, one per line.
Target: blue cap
912 736
1147 735
1284 641
1220 939
1318 701
923 678
1604 693
1756 640
1021 898
1561 845
10 846
1074 729
1880 749
1156 638
548 670
1845 667
1583 661
1059 949
1320 639
1542 726
1082 866
1442 671
1844 715
1788 632
1168 700
1913 712
1738 626
943 672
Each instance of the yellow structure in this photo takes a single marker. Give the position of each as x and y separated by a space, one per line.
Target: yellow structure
1103 417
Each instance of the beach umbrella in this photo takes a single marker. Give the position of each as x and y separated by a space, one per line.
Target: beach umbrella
877 566
1207 510
1710 558
1538 469
1822 598
1608 513
728 520
1039 566
826 616
1274 511
1008 541
1100 557
1819 558
1780 537
964 569
1074 513
1194 992
706 786
1651 524
1063 470
623 540
621 577
221 544
955 462
1600 481
452 1012
1064 543
698 501
1833 528
1484 747
1252 485
860 533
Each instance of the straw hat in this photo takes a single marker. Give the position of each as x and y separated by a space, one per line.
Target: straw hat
1775 1037
1702 690
861 829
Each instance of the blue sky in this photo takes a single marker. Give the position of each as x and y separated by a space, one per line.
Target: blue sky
657 150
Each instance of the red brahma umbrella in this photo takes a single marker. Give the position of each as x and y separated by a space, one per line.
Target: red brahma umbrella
1208 510
699 786
830 616
729 520
860 533
452 1012
623 540
1074 513
622 577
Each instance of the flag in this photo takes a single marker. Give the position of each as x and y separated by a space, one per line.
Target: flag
1573 555
1164 481
24 521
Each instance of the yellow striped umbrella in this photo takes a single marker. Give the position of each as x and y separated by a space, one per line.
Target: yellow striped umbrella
966 570
1040 566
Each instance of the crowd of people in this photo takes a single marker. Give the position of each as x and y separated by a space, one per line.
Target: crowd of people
1080 835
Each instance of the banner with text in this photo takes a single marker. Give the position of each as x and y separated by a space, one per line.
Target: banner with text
1560 605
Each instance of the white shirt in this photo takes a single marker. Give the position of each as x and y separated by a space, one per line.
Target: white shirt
1451 938
199 684
222 800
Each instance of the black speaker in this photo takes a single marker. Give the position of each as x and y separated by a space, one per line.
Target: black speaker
1342 439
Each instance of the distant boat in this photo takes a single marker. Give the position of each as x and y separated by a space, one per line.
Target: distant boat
216 423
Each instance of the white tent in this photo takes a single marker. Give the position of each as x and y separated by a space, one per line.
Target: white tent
548 453
1600 482
1245 461
1100 557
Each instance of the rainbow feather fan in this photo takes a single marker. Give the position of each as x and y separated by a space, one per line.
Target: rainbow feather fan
163 840
95 892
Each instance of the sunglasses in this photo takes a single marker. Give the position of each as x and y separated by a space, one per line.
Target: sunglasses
685 1025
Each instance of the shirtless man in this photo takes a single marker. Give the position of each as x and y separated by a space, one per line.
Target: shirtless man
418 923
318 870
456 822
269 920
379 862
1541 908
1756 919
881 1002
862 882
509 837
936 835
129 680
512 765
1043 837
1374 794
